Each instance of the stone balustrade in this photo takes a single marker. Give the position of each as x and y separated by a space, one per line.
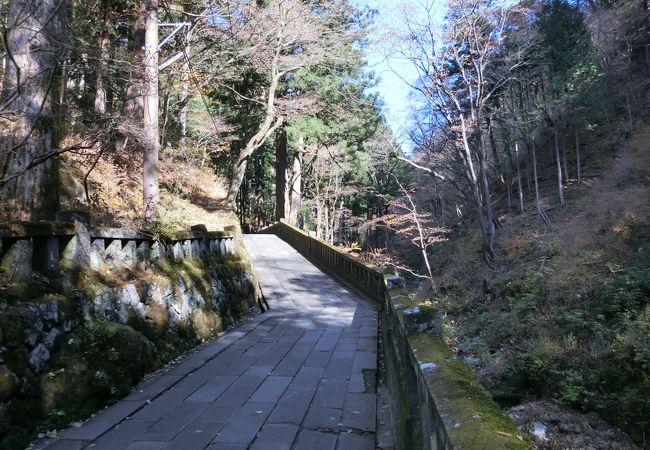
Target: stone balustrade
364 277
47 247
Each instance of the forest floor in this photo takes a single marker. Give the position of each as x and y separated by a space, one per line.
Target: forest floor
191 193
564 313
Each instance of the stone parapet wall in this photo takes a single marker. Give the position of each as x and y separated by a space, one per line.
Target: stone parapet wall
436 402
361 275
52 246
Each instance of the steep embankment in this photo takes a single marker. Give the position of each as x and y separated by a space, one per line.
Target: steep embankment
191 192
565 313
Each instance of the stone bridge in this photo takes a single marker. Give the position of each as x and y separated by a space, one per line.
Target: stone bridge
301 376
331 364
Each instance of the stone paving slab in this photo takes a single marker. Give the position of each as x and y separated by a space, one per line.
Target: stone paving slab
291 378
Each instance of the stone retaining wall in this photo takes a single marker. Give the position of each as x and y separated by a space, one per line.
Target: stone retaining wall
85 312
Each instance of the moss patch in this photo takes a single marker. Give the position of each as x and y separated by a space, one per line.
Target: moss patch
472 419
98 364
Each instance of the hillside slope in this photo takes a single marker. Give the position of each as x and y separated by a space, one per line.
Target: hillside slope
564 314
191 191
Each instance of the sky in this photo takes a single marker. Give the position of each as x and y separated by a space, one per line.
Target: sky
394 73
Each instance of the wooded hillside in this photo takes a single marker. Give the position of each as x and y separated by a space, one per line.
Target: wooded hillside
530 126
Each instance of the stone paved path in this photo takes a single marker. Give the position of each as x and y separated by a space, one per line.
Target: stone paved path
291 378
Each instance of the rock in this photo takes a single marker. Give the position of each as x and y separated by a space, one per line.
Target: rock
38 357
555 427
70 325
33 333
128 298
394 280
159 292
49 338
218 293
86 306
104 304
8 382
96 255
49 311
428 366
422 318
425 291
76 254
539 431
16 261
568 427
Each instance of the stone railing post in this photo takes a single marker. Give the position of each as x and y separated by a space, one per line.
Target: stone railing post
75 255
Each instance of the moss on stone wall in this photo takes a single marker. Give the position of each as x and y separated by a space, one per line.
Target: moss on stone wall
98 364
66 353
472 418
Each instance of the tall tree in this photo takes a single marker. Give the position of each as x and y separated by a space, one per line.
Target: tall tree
28 175
287 35
461 69
151 130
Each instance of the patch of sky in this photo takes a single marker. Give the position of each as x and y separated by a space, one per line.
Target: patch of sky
387 59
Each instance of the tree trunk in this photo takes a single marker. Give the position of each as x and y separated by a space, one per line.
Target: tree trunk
132 111
560 186
326 220
185 97
578 162
519 187
28 174
629 108
529 186
495 152
538 202
492 221
281 165
466 155
103 44
441 202
266 128
564 164
295 187
63 85
151 139
509 175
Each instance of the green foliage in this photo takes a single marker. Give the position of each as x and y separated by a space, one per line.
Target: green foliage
570 63
98 364
593 352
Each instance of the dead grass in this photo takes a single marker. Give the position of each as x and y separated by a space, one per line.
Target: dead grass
190 194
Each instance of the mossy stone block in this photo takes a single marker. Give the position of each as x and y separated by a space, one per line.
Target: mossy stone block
7 383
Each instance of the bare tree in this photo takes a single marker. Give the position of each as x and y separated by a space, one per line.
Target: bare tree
151 138
460 70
